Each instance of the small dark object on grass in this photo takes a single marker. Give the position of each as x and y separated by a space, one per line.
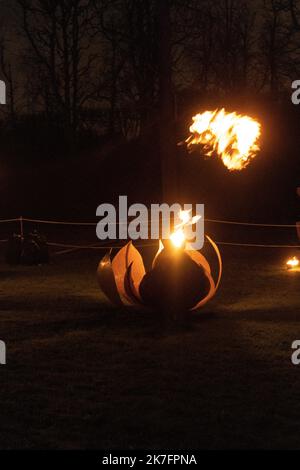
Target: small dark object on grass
30 250
41 243
13 249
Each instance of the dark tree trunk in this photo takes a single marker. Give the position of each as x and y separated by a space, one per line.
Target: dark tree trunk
168 148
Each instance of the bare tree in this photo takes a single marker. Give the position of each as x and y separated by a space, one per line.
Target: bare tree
7 72
61 48
279 51
220 43
129 28
108 26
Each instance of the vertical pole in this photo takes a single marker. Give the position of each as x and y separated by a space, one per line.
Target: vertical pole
168 147
21 227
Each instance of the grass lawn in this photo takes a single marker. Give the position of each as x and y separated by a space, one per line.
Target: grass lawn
81 374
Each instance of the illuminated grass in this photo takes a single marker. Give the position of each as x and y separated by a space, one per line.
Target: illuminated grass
81 374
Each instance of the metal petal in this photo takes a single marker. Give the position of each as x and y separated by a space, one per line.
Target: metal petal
213 287
132 288
160 248
210 294
125 256
106 280
215 247
199 259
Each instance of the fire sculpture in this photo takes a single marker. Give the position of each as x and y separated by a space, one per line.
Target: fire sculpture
180 278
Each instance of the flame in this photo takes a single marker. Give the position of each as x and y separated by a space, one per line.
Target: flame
293 262
178 238
233 137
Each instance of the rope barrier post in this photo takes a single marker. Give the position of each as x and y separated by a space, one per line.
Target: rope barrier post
21 227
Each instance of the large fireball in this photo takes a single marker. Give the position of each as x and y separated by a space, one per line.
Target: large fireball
233 137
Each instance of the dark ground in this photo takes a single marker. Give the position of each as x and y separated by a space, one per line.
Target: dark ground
81 374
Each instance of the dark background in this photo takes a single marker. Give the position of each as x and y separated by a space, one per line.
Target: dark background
99 93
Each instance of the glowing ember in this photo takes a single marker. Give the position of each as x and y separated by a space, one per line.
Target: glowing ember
178 237
233 137
292 263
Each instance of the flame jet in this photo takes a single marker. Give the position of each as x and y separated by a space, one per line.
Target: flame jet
233 137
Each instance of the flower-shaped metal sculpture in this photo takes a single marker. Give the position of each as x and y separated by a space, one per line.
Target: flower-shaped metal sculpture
179 278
